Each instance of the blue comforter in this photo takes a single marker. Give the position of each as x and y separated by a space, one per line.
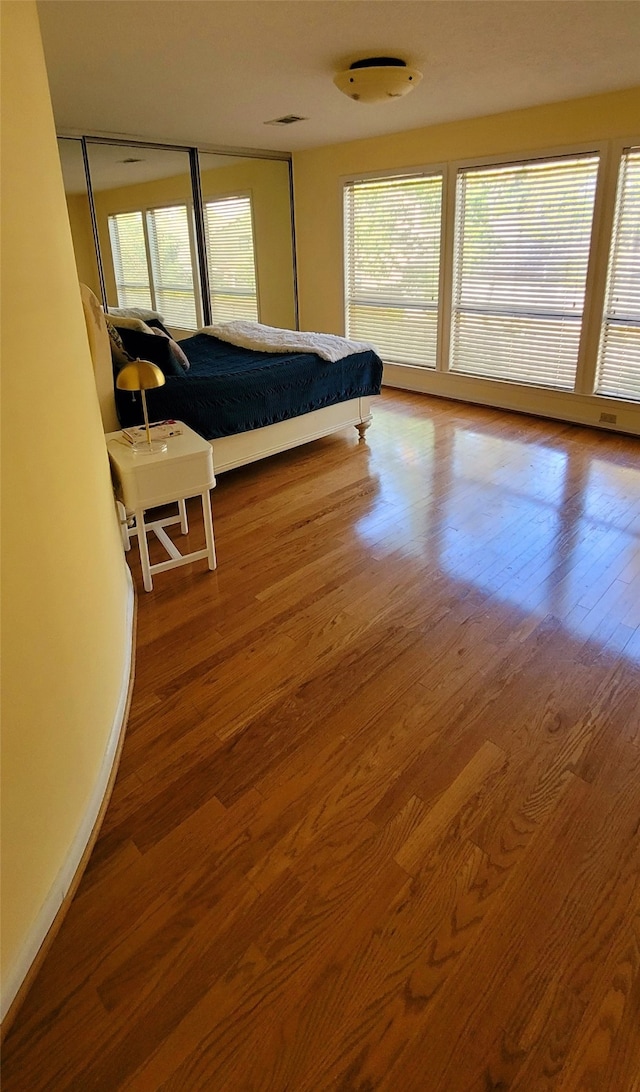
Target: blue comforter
230 389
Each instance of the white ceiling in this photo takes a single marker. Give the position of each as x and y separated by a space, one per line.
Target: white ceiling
113 165
213 71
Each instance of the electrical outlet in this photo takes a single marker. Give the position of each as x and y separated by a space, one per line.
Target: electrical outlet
609 418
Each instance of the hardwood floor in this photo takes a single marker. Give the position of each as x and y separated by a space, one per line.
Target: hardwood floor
377 822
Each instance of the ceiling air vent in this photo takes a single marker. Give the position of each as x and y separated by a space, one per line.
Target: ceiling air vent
288 119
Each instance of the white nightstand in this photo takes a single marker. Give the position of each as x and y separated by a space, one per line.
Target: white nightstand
142 482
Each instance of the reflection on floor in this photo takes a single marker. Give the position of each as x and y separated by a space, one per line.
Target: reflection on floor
377 821
528 514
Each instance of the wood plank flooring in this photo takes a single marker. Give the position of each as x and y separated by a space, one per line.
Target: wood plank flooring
377 821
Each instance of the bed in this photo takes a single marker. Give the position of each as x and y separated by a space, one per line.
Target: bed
248 404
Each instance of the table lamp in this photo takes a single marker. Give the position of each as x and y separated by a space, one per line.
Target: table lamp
142 375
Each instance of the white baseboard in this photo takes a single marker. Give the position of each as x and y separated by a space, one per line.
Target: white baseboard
579 409
68 873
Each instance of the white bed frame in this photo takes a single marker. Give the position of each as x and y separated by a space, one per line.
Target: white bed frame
247 447
229 451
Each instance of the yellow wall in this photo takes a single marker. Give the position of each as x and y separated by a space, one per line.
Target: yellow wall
268 183
318 178
65 590
83 244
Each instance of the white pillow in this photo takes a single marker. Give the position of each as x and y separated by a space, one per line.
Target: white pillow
122 323
135 312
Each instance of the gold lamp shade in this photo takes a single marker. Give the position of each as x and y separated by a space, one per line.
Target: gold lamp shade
142 375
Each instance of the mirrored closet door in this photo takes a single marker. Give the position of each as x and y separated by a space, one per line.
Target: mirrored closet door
247 222
79 209
198 237
144 213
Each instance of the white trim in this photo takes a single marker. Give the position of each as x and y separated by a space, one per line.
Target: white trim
506 159
63 882
603 211
195 266
447 244
393 172
608 242
579 409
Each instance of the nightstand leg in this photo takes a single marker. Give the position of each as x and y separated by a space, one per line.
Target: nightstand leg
122 520
182 508
208 528
144 550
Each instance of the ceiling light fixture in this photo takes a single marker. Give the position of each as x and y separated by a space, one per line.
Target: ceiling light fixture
377 79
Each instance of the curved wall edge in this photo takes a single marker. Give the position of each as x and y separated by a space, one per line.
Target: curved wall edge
52 913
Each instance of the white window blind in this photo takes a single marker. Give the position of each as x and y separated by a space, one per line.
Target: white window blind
126 231
172 265
619 357
228 223
522 243
392 265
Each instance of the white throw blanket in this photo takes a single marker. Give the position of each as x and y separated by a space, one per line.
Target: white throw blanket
270 339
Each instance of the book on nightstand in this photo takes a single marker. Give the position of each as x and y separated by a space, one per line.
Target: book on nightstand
159 430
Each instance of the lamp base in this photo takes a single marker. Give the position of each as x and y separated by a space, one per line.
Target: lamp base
156 447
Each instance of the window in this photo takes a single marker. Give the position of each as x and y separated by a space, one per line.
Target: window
228 224
172 265
126 232
392 265
521 251
619 357
155 263
153 259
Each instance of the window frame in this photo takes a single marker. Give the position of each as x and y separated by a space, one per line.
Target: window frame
225 197
594 148
144 210
188 205
618 148
412 172
114 216
609 151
